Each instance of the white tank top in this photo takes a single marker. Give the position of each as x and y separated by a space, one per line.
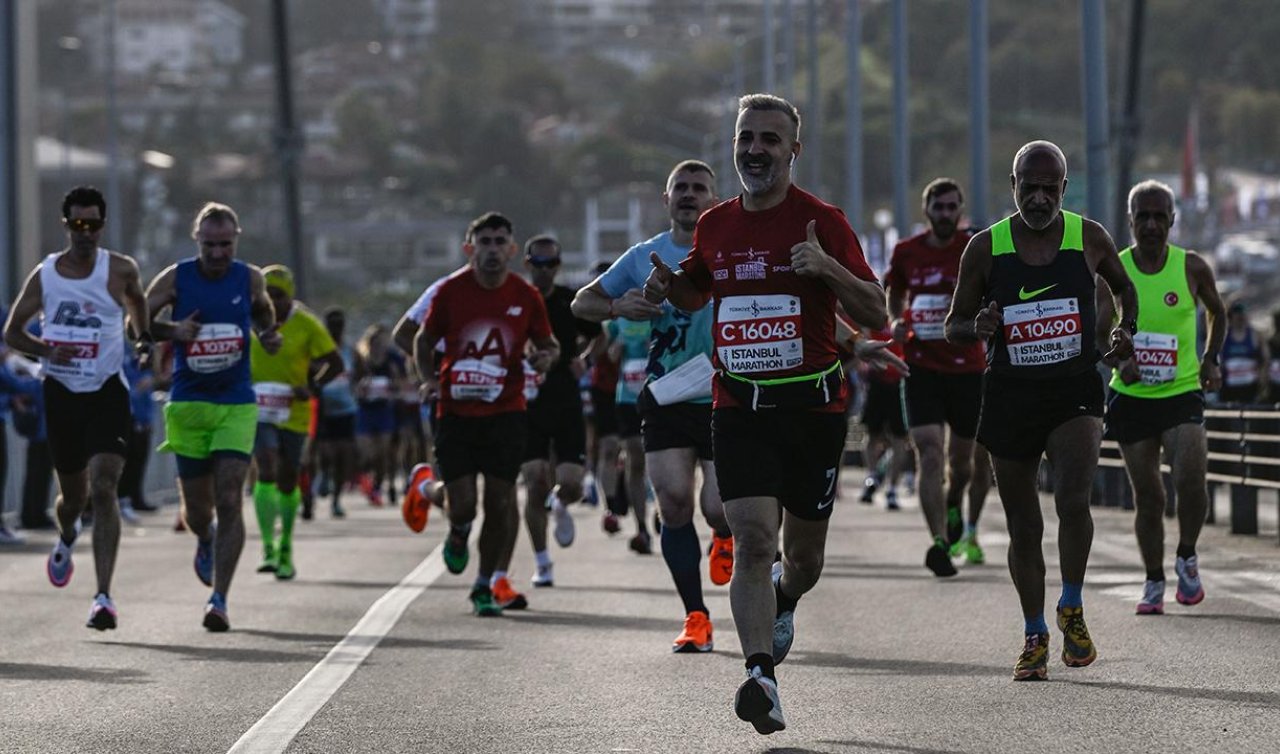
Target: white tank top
83 314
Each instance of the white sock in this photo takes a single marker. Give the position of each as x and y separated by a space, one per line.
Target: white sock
497 575
543 558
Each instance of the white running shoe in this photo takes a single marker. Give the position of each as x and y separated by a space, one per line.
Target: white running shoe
10 537
544 576
564 529
1152 602
757 702
127 512
784 625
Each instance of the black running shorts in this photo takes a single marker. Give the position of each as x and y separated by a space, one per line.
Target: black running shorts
793 456
604 412
882 409
82 425
628 420
1018 414
489 445
1131 419
940 398
560 426
680 425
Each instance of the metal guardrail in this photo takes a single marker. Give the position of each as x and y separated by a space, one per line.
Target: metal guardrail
1244 454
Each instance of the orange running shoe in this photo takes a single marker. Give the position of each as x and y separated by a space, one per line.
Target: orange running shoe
720 564
416 506
506 596
696 636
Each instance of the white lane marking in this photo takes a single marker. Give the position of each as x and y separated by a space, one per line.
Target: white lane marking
274 732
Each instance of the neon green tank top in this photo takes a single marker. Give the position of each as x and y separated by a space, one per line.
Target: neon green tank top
1165 344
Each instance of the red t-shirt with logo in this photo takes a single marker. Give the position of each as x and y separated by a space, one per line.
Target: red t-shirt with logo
927 275
769 321
484 332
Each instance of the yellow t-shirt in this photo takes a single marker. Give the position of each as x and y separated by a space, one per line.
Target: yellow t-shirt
303 338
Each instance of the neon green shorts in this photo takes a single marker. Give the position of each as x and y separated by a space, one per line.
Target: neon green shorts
197 429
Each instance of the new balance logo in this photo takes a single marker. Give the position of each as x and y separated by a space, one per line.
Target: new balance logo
514 311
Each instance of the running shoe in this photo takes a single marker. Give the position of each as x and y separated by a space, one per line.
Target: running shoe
1190 590
483 604
506 596
720 564
869 486
544 576
270 559
1152 602
59 567
365 483
337 511
591 493
204 557
215 613
10 537
375 498
285 569
127 513
641 544
696 636
938 561
102 614
757 702
609 522
955 529
1033 663
891 500
973 551
416 506
784 624
909 482
1077 648
564 529
455 551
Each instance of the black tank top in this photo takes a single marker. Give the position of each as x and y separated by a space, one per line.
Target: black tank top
1049 313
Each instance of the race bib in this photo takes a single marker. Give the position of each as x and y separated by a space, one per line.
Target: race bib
216 347
759 333
1043 332
1239 371
275 400
929 315
1273 371
377 388
634 374
1157 357
85 342
475 380
532 381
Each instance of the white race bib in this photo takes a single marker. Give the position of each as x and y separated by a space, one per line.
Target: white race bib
1239 371
532 381
1274 371
634 374
1043 332
757 334
85 341
275 400
377 388
475 380
929 315
216 347
1157 356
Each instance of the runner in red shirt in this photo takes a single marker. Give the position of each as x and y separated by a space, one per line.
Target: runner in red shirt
775 263
486 318
944 390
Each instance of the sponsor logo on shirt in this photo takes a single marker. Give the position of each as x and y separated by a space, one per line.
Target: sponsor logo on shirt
514 311
750 271
721 274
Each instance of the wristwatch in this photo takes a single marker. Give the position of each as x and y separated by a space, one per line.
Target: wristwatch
1131 326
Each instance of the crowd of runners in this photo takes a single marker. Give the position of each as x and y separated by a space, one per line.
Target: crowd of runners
709 370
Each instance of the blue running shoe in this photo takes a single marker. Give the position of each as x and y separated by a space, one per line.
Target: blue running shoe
102 614
215 613
784 625
204 557
60 566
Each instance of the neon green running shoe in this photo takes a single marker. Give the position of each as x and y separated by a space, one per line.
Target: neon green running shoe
1078 649
270 559
483 604
284 565
973 551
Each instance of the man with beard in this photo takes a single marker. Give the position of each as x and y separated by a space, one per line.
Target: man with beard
82 293
944 390
1026 286
1157 395
485 316
775 263
676 434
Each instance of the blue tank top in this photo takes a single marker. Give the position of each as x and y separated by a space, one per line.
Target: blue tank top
215 366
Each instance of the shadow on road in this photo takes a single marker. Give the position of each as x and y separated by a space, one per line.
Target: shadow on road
877 746
224 654
870 666
593 620
1260 620
390 642
1261 699
13 671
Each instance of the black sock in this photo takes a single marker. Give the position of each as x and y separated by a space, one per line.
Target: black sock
681 551
1186 551
763 661
785 603
1155 575
617 504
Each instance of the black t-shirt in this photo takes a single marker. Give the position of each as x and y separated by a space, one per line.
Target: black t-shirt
560 384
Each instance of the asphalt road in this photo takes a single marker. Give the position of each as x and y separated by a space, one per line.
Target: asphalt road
373 649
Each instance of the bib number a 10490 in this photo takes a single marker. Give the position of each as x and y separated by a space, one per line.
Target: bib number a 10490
1043 332
758 334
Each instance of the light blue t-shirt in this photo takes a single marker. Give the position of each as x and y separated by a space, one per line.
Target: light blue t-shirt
677 335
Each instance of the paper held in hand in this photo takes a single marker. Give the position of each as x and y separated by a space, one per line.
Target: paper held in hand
689 381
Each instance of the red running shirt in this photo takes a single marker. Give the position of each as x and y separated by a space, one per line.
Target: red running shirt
770 322
484 332
927 275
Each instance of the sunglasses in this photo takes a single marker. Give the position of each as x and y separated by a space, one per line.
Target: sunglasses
217 244
84 224
543 263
